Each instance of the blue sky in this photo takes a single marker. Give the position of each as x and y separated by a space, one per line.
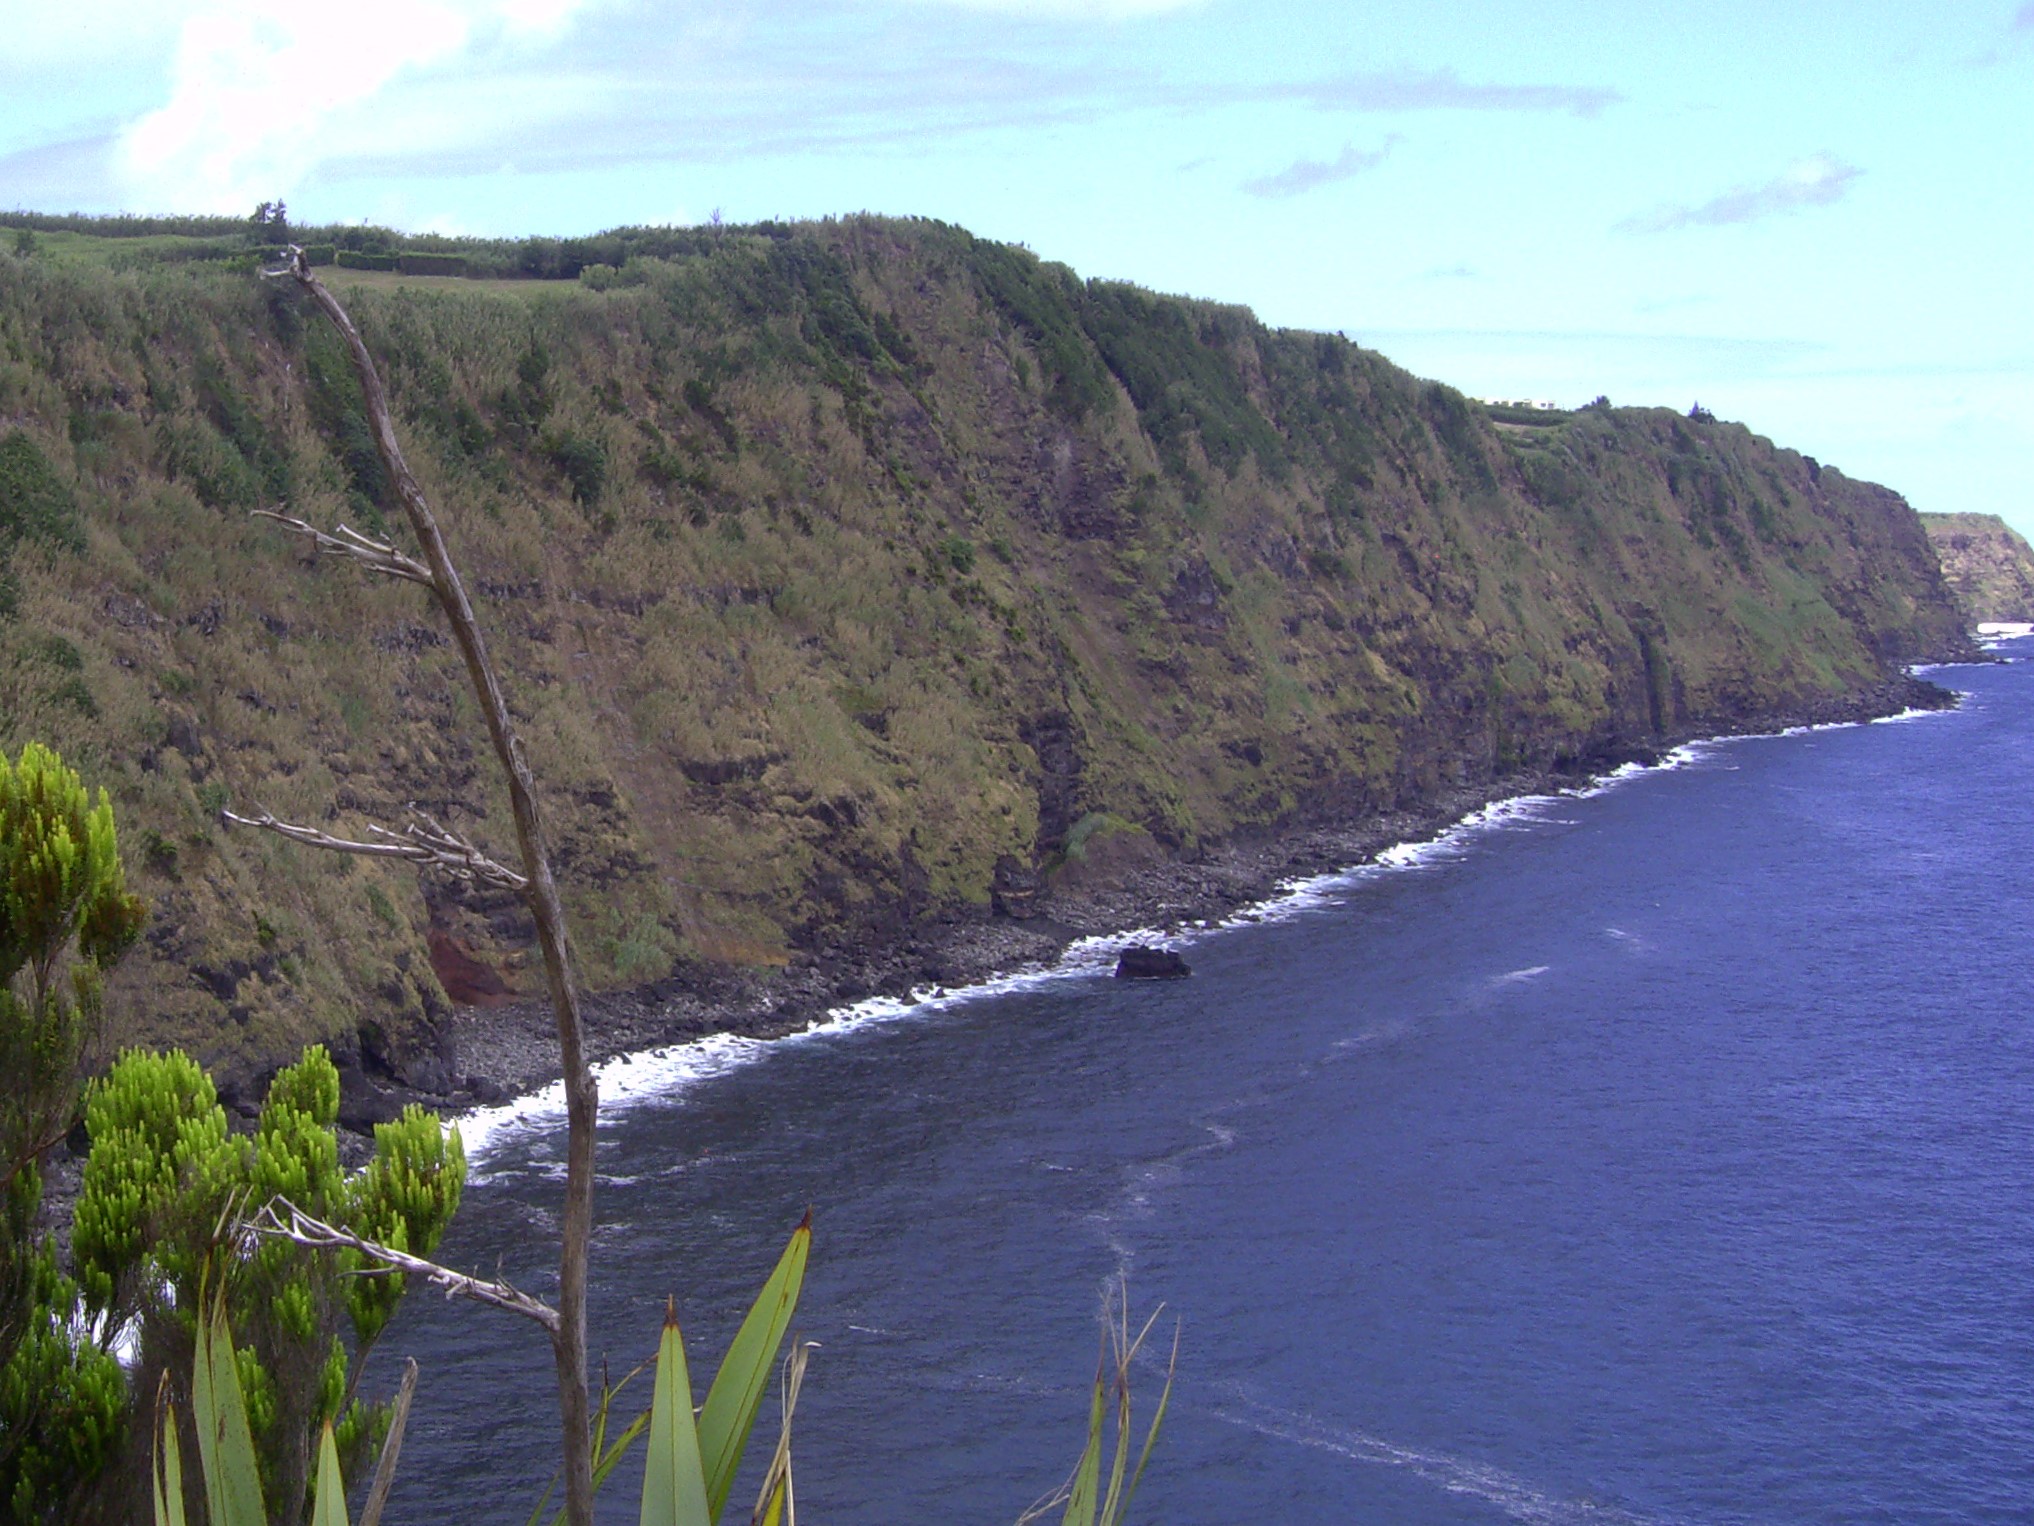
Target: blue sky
1814 217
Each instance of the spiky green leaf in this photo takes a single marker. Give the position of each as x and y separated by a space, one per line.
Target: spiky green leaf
329 1506
674 1489
1080 1505
168 1470
225 1445
730 1411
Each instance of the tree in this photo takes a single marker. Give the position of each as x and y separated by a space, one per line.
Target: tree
65 917
427 842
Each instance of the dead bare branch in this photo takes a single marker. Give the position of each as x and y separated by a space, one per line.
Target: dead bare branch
425 843
280 1219
391 1447
376 556
540 891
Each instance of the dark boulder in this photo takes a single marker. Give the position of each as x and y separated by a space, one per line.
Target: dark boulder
1013 891
1140 961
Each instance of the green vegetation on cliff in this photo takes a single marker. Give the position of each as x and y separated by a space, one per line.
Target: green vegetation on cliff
1988 565
831 568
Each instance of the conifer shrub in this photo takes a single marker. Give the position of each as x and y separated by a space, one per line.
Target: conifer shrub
65 917
165 1175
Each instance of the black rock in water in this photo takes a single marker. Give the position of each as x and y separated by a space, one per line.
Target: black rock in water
1140 961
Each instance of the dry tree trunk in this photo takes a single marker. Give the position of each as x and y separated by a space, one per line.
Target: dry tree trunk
568 1336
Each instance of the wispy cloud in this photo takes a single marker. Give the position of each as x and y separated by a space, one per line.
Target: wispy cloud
1071 10
1304 175
1442 90
720 99
1814 182
2023 19
269 100
258 90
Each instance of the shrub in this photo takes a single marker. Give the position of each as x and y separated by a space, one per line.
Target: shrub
583 460
34 502
73 691
959 552
358 259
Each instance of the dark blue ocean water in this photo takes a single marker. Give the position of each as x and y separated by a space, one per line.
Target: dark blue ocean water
1660 1155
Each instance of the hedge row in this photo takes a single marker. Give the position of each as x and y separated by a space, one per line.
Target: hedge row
409 263
412 263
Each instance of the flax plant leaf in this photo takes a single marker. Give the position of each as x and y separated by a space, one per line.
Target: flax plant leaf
674 1489
225 1445
731 1404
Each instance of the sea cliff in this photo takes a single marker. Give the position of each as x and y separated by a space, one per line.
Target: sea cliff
1988 565
879 603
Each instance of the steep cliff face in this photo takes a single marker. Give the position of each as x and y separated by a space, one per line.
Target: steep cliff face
839 574
1988 565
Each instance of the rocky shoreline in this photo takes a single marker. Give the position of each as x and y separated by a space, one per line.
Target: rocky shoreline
504 1051
497 1053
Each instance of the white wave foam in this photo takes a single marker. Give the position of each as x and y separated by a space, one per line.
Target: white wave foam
1519 977
1509 1493
1911 714
1375 1036
659 1076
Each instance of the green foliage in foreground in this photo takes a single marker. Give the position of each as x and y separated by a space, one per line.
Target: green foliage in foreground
65 917
1090 1499
689 1466
162 1184
163 1178
62 1399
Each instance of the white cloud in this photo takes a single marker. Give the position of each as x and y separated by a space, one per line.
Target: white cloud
260 94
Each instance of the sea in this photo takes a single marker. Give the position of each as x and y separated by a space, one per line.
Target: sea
1661 1152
